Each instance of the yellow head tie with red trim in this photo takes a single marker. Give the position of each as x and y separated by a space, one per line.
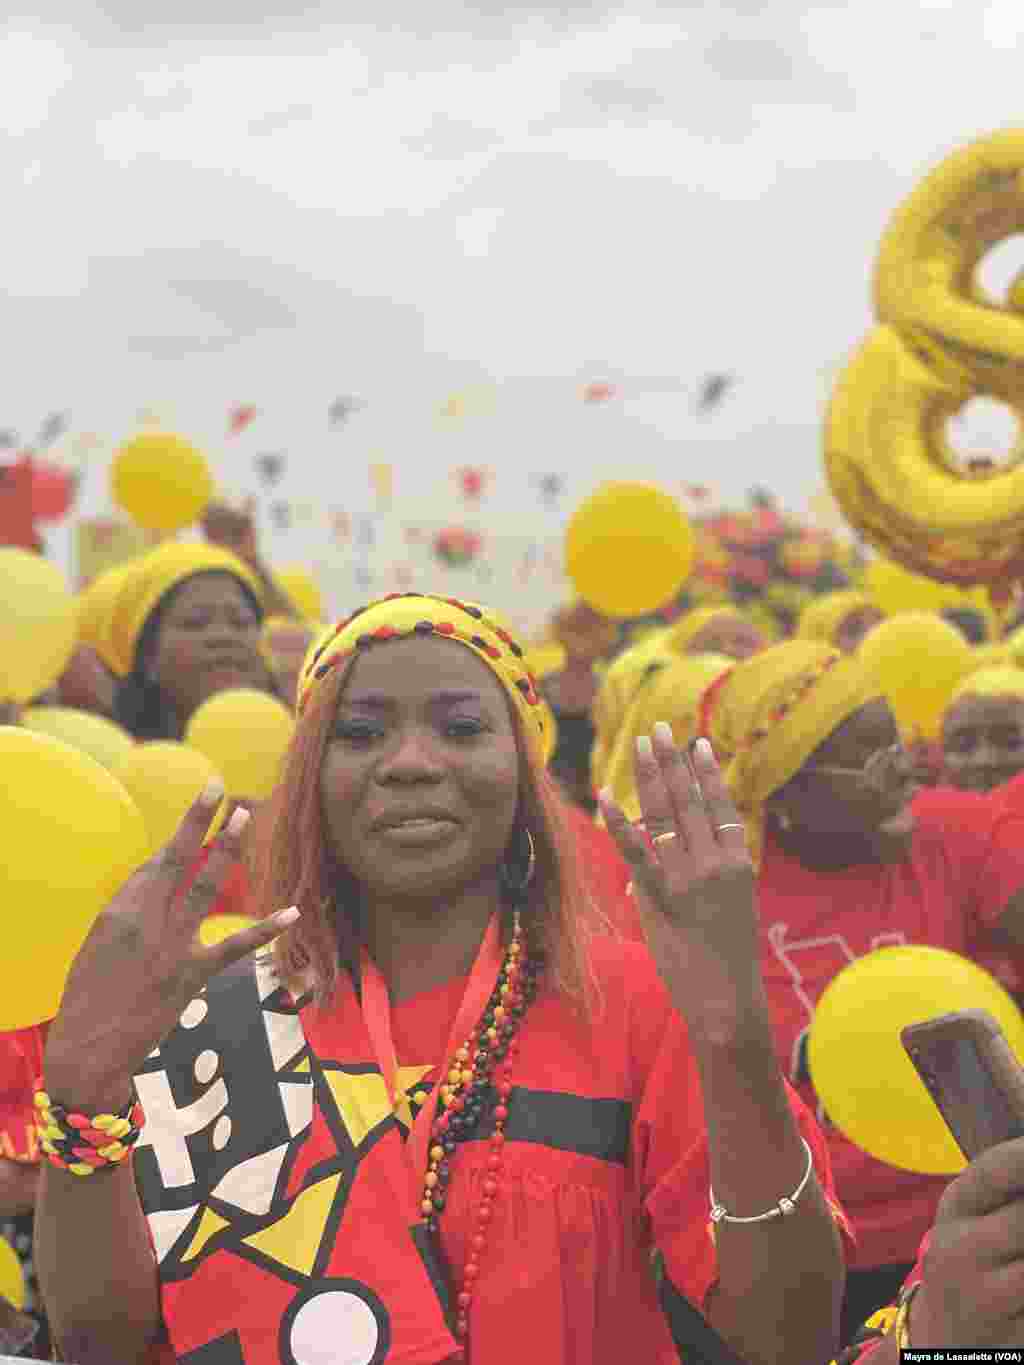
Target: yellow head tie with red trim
403 615
773 710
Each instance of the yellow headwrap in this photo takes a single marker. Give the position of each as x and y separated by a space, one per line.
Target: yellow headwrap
823 618
680 635
1007 681
409 614
151 578
615 694
772 712
672 694
95 604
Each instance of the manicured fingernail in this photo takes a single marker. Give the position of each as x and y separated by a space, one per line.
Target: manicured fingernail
644 747
704 749
239 821
213 793
288 916
663 732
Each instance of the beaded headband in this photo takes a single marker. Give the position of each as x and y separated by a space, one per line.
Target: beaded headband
404 615
783 709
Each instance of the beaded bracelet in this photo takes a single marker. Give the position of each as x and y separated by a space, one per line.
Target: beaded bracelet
73 1142
782 1209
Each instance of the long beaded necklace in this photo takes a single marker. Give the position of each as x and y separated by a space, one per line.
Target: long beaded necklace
466 1091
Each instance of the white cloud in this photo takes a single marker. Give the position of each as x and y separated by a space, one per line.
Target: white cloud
34 69
542 200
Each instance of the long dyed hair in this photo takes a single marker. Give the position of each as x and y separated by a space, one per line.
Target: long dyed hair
290 863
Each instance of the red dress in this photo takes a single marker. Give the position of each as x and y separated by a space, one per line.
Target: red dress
966 860
274 1194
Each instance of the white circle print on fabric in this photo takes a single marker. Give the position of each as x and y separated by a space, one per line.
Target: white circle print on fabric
339 1327
195 1013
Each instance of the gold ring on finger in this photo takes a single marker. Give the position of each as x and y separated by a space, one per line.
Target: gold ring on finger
731 825
661 838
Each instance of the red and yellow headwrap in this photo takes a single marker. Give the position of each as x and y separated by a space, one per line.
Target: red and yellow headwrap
402 615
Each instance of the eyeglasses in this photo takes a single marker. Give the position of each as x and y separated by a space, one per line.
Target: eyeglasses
877 772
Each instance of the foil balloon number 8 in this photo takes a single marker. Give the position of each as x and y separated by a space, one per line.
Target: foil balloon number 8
942 341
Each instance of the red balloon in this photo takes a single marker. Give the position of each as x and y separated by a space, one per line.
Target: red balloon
53 492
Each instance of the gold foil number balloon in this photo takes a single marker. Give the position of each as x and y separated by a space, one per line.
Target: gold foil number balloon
942 341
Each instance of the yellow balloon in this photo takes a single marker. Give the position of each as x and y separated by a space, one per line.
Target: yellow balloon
38 625
161 480
244 734
895 589
917 659
96 736
163 779
72 837
216 928
300 587
864 1079
629 549
12 1277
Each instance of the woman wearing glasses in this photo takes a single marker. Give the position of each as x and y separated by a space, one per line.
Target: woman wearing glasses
849 861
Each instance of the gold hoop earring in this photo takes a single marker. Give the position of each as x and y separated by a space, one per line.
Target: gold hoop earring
516 881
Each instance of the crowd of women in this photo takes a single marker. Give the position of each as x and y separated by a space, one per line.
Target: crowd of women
513 1061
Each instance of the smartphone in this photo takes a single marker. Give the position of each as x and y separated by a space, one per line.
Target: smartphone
972 1075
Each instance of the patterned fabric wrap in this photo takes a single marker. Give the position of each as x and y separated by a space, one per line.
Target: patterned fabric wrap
403 615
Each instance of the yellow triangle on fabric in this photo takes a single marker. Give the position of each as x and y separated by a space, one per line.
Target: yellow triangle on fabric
302 1066
209 1225
294 1240
362 1101
408 1076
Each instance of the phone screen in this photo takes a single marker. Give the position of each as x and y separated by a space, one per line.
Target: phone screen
979 1114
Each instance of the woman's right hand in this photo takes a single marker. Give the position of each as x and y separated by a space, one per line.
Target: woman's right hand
142 963
972 1293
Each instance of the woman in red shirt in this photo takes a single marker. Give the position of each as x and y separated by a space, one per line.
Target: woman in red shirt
443 1115
848 864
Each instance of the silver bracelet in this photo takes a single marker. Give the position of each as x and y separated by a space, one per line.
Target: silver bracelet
781 1210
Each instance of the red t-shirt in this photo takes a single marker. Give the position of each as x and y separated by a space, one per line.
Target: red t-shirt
966 860
950 808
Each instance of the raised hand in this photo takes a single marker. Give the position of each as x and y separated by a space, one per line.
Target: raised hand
974 1266
143 962
693 880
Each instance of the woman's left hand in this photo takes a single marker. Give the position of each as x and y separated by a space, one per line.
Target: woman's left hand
693 883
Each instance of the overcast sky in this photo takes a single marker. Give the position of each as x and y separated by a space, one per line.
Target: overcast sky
216 201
